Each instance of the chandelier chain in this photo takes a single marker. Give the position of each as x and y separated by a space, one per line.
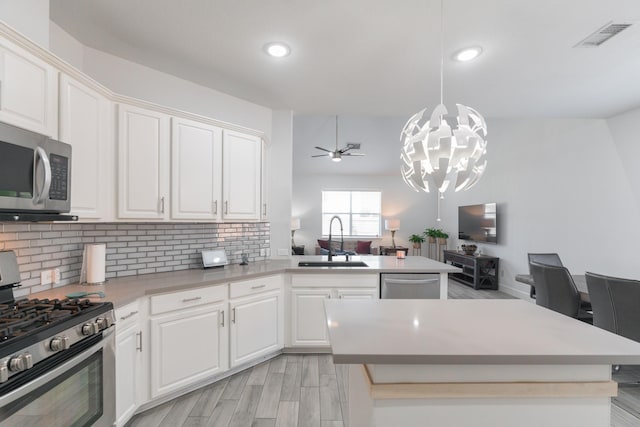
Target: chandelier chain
441 51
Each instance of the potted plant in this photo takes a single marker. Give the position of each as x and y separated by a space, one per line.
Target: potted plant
441 236
431 233
417 240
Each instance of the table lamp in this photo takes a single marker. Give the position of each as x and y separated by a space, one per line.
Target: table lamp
392 225
295 225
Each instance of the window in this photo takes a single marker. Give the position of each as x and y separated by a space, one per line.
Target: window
360 212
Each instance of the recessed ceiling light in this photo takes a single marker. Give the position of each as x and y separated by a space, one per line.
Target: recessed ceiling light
467 54
277 49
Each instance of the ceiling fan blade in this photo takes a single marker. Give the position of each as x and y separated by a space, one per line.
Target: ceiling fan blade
320 155
324 149
353 154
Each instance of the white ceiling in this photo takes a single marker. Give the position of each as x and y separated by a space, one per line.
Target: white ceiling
379 57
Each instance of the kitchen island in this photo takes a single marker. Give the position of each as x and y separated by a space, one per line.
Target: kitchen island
474 362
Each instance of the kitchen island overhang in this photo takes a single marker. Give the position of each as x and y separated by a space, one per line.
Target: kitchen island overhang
474 362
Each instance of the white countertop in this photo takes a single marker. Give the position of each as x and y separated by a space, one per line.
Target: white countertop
124 290
475 332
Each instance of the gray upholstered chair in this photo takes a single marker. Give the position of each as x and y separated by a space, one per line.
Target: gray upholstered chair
615 304
546 258
410 288
556 291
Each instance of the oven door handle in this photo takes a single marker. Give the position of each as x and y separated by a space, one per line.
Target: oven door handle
42 155
108 339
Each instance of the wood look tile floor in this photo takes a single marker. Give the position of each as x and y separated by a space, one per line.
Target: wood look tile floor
310 391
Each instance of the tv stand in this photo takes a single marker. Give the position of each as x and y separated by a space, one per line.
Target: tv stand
480 272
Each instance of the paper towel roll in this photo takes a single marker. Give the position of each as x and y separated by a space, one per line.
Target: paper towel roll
96 260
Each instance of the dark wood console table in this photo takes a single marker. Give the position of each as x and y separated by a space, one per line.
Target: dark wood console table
481 271
390 250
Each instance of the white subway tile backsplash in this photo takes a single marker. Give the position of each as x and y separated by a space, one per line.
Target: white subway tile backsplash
132 248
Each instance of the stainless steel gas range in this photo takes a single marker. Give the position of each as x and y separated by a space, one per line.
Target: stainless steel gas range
57 358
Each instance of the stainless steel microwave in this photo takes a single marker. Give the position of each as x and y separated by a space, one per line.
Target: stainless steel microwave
35 172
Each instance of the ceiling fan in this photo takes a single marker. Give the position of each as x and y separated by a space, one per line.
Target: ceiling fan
337 154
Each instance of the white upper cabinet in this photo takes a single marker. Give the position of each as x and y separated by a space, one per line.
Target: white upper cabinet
143 163
266 164
85 119
196 170
241 180
28 91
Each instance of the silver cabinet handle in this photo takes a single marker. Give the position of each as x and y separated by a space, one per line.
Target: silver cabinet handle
226 207
259 287
191 299
47 174
233 315
215 207
162 204
139 347
133 313
222 324
1 94
264 207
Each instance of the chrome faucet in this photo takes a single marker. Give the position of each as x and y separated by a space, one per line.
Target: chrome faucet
341 236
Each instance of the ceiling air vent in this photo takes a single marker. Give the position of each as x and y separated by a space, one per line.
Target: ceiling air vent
603 34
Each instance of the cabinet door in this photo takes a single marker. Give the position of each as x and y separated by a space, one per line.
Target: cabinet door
358 293
264 190
143 163
187 346
196 170
241 169
28 91
256 327
308 320
128 368
84 123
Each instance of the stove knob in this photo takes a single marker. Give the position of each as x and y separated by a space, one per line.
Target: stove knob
103 323
4 373
28 361
90 328
16 364
59 343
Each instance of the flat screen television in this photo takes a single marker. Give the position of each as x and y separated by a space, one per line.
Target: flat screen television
478 223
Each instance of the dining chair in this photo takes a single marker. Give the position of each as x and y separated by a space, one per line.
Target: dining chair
615 304
410 288
556 290
542 258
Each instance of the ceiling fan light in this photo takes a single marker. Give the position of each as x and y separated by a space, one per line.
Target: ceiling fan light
336 159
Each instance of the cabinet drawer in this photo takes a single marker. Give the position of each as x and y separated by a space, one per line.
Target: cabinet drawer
334 280
127 315
189 298
254 286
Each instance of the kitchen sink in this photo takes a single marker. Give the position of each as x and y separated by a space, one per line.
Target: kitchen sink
332 264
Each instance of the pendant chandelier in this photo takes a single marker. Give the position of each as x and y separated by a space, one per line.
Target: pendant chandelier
437 155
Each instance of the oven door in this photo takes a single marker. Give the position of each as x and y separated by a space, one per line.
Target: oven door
78 391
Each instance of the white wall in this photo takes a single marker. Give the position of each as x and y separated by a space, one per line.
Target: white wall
279 178
128 78
563 186
625 130
29 17
65 46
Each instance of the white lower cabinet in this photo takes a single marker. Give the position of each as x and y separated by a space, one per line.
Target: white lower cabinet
129 362
189 344
308 293
309 323
256 326
257 318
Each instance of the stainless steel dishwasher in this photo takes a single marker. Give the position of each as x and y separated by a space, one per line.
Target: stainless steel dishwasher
409 286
